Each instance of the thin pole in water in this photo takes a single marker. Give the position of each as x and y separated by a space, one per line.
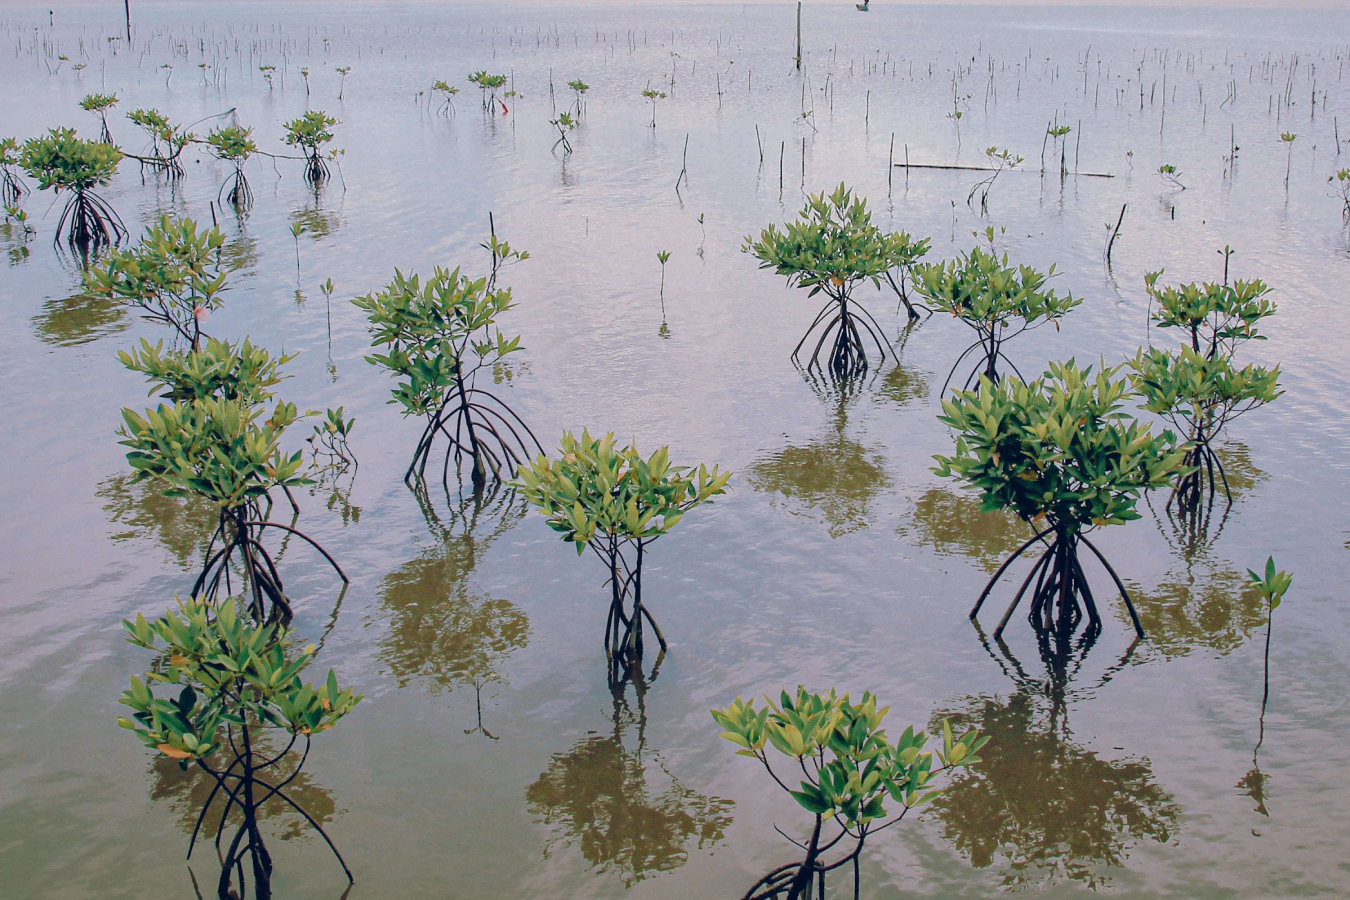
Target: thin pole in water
127 5
799 34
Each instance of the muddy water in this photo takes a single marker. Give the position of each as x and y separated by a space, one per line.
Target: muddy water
837 558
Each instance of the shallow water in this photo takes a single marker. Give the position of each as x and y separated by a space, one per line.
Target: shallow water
838 558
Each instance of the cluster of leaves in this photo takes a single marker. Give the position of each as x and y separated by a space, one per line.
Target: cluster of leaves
1271 584
98 103
161 130
850 765
173 275
221 450
1058 447
833 246
429 330
232 143
227 670
220 370
1215 317
62 161
991 296
310 131
1194 392
596 488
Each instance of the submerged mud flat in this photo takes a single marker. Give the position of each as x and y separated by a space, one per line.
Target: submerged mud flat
489 756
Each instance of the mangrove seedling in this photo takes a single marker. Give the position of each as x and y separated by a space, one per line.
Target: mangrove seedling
488 86
610 499
297 229
99 104
310 132
564 123
1340 181
226 685
832 248
166 141
851 770
60 161
12 187
437 337
904 254
1171 176
1287 138
663 257
1272 585
304 73
999 160
234 144
329 440
1061 454
996 300
343 72
653 95
1060 134
1199 389
448 92
579 89
173 276
267 72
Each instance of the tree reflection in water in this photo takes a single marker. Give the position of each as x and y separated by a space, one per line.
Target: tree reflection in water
955 524
182 525
440 632
1193 534
832 478
614 799
1041 807
78 319
1212 611
186 791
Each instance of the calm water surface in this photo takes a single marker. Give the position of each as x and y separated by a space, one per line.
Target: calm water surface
837 558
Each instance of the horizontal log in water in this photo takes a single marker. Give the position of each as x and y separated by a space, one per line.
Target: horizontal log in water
991 169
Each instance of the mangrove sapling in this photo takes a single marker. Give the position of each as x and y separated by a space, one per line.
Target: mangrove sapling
1340 181
100 104
447 92
851 770
905 253
267 72
1199 389
1061 454
1171 176
12 187
438 336
343 72
653 95
488 85
564 123
996 300
60 161
304 73
233 684
610 499
999 160
832 248
166 141
227 453
173 276
310 132
579 89
18 218
234 144
1287 138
